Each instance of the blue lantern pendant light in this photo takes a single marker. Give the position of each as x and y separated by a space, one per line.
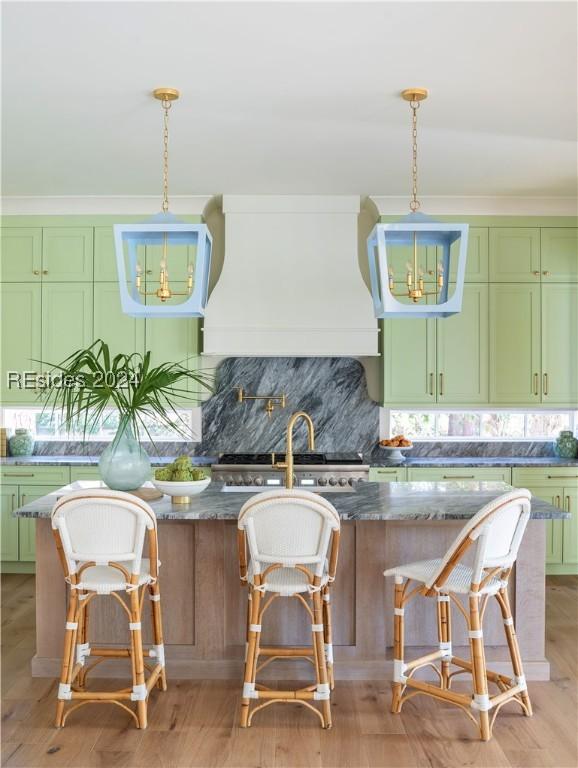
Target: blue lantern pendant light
184 250
418 291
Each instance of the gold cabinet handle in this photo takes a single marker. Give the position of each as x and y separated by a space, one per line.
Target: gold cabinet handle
13 501
387 472
558 502
431 383
441 384
535 383
545 384
24 499
567 503
18 474
459 477
562 477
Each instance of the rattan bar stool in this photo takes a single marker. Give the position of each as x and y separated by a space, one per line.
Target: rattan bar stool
100 536
293 541
497 531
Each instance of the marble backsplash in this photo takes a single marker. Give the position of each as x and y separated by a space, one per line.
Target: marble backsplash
333 391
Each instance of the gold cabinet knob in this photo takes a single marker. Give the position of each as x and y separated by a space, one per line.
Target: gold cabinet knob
149 271
36 272
546 273
44 271
536 272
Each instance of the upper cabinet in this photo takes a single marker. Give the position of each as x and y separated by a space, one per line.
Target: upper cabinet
515 369
514 255
20 336
560 344
67 254
104 255
477 263
559 255
21 257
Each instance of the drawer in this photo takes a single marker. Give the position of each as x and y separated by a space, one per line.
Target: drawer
439 474
84 473
23 475
387 474
566 476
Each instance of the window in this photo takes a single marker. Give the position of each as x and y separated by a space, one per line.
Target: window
481 425
46 428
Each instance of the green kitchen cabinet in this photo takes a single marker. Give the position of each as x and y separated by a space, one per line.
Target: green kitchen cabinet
462 350
387 474
570 533
27 526
515 345
514 255
173 339
21 255
552 494
477 269
84 473
66 319
560 344
559 248
409 361
67 254
121 332
8 523
557 486
104 255
466 474
21 333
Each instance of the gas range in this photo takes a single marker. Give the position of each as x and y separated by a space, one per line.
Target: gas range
310 469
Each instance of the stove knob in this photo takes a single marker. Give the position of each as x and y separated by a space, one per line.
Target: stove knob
321 481
229 480
332 481
342 481
351 480
248 480
258 481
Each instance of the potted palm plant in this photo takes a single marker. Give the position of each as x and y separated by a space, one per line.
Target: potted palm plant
90 381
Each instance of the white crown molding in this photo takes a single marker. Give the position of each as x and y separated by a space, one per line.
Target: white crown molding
291 203
481 205
58 205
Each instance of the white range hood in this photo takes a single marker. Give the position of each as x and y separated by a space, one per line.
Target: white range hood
290 284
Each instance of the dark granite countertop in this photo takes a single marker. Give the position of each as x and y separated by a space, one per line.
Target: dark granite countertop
423 462
89 461
476 461
452 500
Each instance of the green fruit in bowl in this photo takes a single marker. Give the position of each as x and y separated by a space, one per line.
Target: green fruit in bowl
163 474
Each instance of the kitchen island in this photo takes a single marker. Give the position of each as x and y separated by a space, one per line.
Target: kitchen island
204 604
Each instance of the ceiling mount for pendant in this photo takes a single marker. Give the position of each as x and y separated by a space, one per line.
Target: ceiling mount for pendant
416 258
170 246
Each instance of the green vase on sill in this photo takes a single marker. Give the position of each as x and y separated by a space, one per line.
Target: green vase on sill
21 443
566 445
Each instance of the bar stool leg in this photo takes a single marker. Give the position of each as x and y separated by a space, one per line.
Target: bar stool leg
70 635
155 598
398 643
444 636
321 665
328 635
504 603
139 686
82 638
254 632
480 680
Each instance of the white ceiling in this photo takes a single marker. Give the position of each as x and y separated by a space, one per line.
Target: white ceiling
289 97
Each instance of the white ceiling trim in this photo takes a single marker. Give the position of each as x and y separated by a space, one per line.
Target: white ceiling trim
480 205
57 205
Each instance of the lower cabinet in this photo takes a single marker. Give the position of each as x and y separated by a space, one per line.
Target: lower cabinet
20 485
387 474
439 474
557 486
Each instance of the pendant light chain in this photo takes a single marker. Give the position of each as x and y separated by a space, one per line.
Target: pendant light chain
414 203
166 106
